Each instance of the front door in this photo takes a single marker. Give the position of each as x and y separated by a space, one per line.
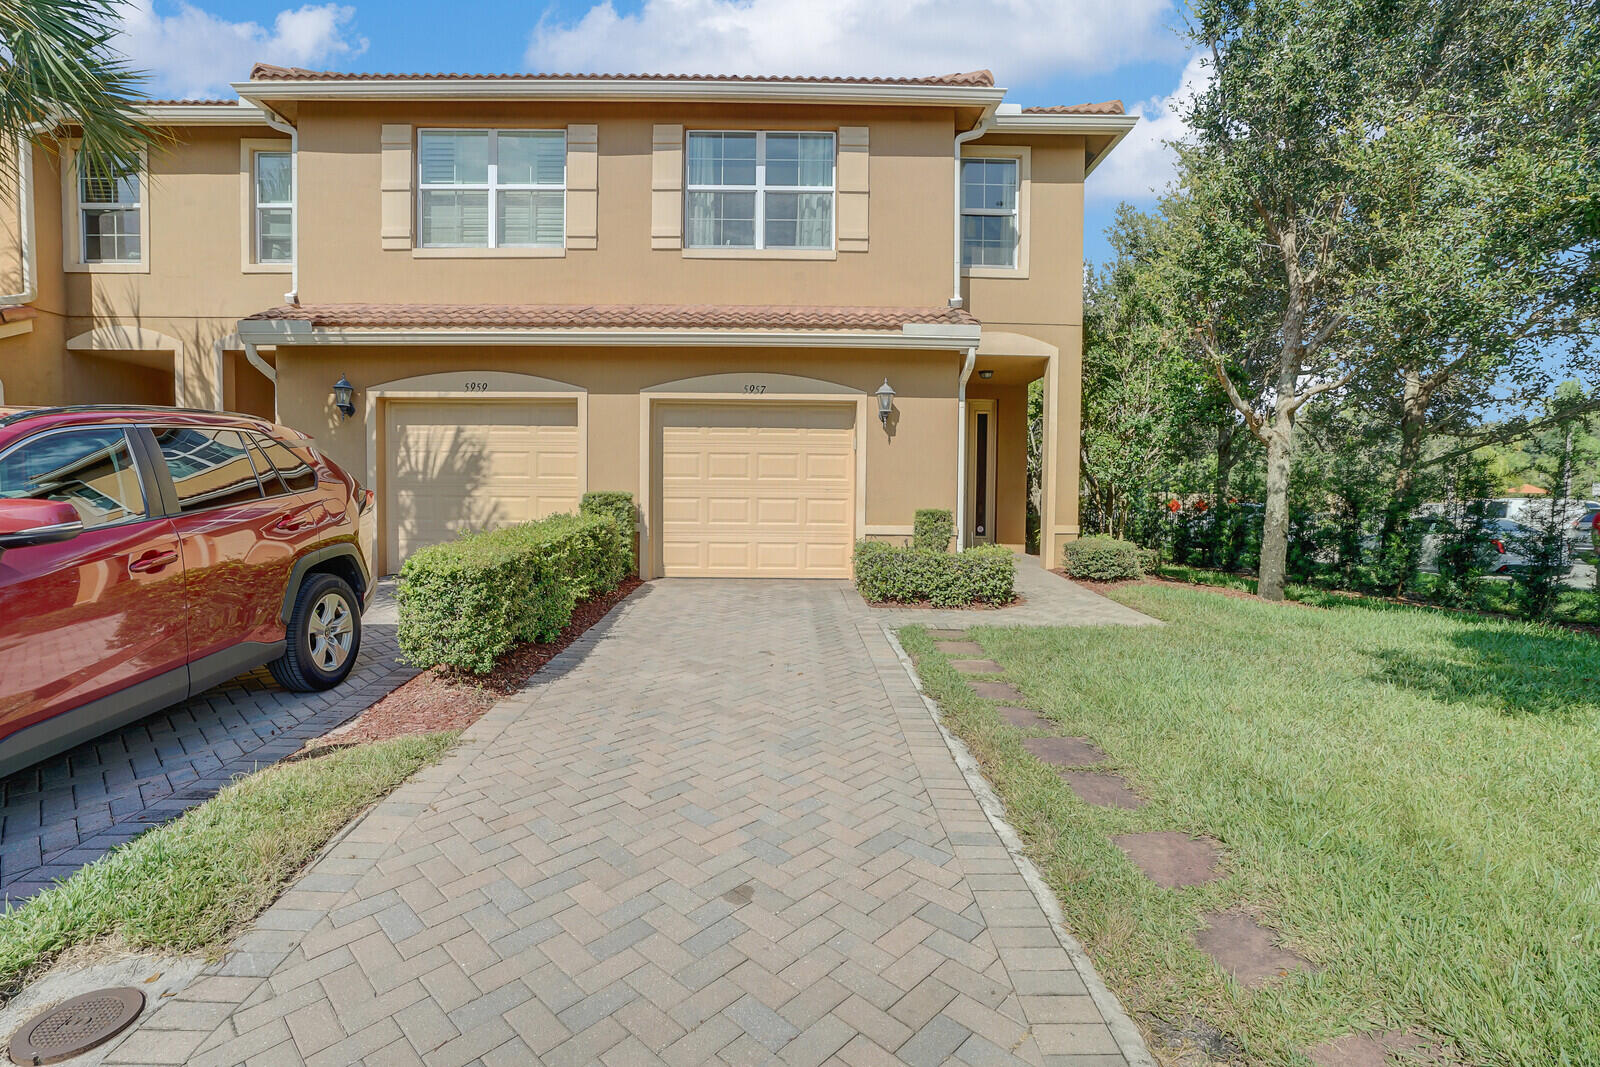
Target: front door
981 440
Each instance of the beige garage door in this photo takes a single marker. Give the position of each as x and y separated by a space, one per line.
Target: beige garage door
459 465
757 490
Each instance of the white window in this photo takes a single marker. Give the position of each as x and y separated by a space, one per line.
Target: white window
110 210
273 182
989 212
491 188
750 189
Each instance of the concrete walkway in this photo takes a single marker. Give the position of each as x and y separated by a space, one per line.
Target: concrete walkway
1047 600
721 827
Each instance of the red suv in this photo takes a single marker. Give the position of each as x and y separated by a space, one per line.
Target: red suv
147 554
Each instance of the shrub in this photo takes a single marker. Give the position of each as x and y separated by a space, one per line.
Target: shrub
465 602
1106 559
617 505
979 575
932 529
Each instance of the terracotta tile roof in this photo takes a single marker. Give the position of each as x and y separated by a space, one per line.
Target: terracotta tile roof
612 316
188 103
1107 107
272 72
18 312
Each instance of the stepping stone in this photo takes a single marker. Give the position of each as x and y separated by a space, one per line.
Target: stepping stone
1064 751
1102 788
1023 718
998 691
1246 949
960 648
948 635
1171 859
1373 1050
977 666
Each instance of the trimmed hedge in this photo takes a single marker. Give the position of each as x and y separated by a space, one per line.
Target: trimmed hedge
1106 559
979 575
932 529
465 602
614 504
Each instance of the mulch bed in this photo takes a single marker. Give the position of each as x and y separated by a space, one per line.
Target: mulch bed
439 699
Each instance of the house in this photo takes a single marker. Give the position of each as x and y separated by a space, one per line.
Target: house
783 312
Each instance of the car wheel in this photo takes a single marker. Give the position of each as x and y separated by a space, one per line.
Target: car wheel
324 636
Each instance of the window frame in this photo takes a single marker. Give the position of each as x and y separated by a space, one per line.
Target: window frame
249 263
493 187
153 508
165 470
761 189
1023 157
74 234
257 205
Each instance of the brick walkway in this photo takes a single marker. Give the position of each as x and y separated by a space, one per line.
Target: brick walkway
67 811
721 827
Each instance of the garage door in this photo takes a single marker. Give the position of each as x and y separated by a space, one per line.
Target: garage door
757 490
476 464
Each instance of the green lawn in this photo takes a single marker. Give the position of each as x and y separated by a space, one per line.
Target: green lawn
186 886
1411 796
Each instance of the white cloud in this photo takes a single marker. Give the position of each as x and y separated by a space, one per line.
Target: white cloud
1142 165
193 53
1019 39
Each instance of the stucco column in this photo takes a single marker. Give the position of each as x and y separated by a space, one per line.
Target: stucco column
1062 414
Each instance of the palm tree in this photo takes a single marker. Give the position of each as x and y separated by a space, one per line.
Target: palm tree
58 68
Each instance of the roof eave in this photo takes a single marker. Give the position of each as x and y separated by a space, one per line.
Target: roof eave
201 115
909 336
1114 126
621 90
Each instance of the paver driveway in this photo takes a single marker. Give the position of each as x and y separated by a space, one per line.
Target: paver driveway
721 827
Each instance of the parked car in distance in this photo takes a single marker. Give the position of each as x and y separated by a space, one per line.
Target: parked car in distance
147 554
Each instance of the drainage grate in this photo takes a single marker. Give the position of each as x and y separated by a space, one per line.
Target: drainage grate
74 1027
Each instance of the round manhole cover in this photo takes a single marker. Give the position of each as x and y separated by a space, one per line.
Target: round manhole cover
75 1026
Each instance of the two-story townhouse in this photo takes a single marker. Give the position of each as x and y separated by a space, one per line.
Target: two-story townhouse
783 312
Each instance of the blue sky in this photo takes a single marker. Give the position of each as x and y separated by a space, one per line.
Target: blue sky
1044 51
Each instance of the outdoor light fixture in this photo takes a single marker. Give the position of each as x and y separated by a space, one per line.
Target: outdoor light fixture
885 397
986 374
344 396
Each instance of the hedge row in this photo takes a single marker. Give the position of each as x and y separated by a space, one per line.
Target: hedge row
979 575
1106 559
932 529
618 506
465 602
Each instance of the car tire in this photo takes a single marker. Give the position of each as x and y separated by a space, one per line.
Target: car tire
324 636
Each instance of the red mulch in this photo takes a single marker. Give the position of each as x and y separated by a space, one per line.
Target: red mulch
439 699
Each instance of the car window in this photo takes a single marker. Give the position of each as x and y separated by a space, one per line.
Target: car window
210 468
271 484
91 469
295 472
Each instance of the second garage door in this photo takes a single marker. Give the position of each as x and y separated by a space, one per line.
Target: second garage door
757 490
476 464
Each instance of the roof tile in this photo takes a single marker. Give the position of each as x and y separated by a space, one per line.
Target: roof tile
1106 107
612 316
273 72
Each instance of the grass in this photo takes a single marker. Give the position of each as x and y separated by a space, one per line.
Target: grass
186 886
1408 795
1493 595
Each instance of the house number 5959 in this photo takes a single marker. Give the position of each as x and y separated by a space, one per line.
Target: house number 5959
477 387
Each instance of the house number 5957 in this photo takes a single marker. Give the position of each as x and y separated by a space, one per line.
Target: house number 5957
754 388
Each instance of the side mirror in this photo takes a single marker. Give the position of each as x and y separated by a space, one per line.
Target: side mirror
26 521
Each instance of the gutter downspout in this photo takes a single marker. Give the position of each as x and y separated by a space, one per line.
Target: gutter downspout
30 274
265 368
984 122
277 122
961 449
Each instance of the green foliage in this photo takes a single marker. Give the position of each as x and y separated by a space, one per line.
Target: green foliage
982 574
617 506
186 887
1106 559
933 529
464 603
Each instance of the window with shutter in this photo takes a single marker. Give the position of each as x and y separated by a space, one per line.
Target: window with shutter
491 188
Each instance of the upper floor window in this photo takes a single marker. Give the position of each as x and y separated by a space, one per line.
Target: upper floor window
273 182
110 212
754 189
491 188
989 215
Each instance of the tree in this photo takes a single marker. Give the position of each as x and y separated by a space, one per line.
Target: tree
58 68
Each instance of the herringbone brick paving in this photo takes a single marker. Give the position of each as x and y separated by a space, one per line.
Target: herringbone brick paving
71 809
721 827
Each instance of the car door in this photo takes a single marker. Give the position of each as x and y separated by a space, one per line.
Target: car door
92 616
234 563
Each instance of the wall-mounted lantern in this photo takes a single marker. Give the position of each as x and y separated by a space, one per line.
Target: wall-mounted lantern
885 397
986 374
344 396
